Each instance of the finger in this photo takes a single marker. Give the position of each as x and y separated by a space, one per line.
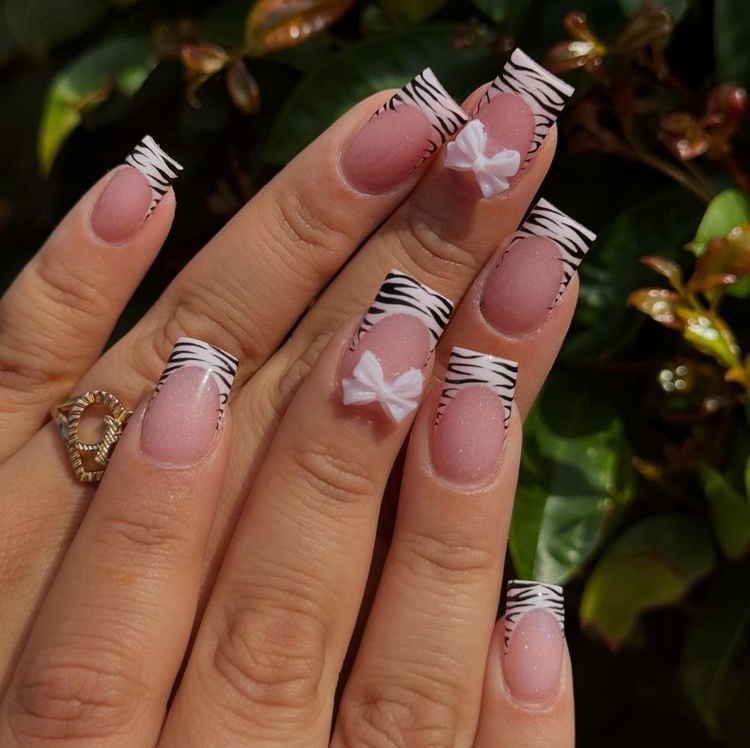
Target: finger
253 281
274 635
109 639
418 670
528 690
522 303
60 311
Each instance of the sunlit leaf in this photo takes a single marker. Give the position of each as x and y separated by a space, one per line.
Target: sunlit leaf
652 26
729 512
660 304
242 87
411 11
714 664
276 24
666 267
121 64
575 477
203 58
653 563
709 334
728 209
724 260
39 25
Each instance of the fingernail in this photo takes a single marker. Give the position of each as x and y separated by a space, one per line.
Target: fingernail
402 134
530 275
133 192
382 371
188 404
472 415
509 124
534 632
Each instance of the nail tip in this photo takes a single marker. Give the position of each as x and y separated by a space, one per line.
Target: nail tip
526 595
156 165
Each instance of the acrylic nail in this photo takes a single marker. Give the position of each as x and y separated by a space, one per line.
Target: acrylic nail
409 128
509 124
383 368
533 643
188 404
159 169
530 275
472 415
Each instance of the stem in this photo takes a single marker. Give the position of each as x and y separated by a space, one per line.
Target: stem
701 191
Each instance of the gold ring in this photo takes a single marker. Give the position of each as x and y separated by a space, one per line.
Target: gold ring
89 459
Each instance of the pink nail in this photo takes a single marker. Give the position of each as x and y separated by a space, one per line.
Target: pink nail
188 405
382 372
472 416
122 207
511 120
402 134
534 631
531 273
133 192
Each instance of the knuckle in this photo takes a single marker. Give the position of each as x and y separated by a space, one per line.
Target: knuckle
447 558
271 661
69 695
430 250
305 224
300 366
398 717
148 535
322 467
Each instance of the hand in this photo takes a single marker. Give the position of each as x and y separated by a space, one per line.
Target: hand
215 296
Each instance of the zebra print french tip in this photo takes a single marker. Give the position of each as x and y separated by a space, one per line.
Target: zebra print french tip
572 238
467 368
545 93
524 596
191 352
159 169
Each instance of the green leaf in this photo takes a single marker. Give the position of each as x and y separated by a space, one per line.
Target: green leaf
728 209
575 475
363 69
38 25
714 668
731 41
677 8
412 11
653 563
121 64
729 512
658 226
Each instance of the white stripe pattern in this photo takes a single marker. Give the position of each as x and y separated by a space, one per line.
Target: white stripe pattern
545 93
572 239
427 94
197 353
402 294
524 596
159 169
467 368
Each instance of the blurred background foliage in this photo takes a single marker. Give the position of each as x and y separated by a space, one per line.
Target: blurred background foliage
635 483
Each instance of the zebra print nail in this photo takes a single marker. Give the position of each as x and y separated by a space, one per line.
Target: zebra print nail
468 368
427 94
523 597
192 352
159 169
402 294
573 240
545 93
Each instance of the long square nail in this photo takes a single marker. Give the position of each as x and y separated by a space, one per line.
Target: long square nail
409 128
383 369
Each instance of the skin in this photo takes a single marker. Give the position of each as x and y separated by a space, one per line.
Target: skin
267 671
